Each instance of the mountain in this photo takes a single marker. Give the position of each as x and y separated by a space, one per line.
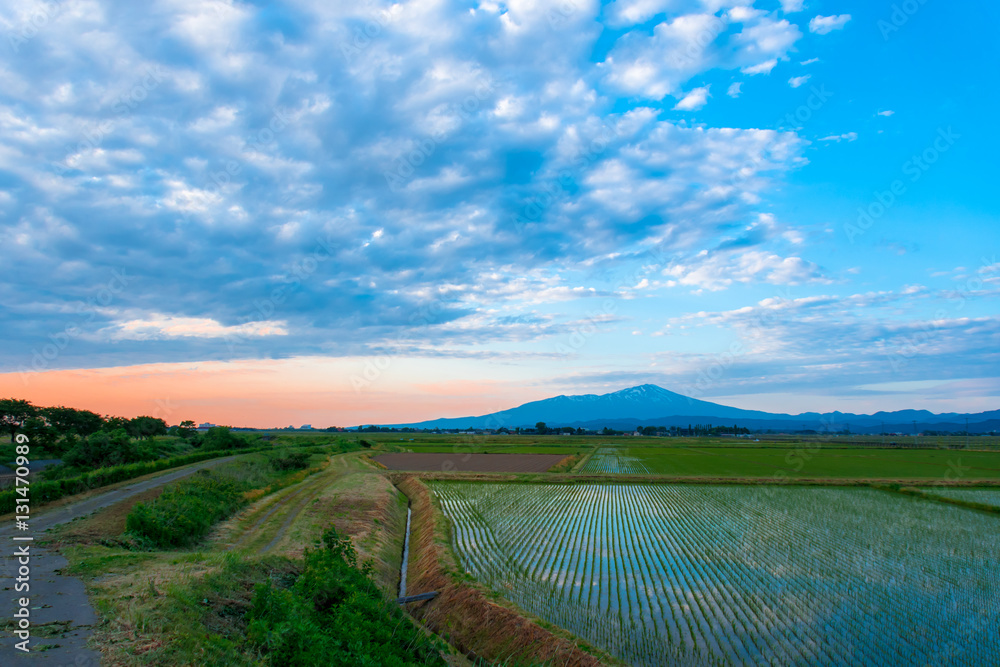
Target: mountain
650 405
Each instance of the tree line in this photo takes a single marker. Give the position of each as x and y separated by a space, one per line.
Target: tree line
87 440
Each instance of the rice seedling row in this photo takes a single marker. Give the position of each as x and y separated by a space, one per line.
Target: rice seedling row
616 461
707 575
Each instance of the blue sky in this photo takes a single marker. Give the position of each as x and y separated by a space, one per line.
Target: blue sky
778 205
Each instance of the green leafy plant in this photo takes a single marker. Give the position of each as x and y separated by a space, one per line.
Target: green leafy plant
185 512
335 614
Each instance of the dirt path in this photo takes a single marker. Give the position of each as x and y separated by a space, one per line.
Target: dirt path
261 537
61 613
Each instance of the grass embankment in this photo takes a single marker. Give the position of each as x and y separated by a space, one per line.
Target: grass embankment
181 607
230 609
334 614
467 614
184 513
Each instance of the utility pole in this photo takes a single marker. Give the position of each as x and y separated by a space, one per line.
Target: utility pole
966 432
883 433
914 432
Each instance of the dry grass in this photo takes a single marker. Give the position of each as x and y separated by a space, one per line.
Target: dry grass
364 506
104 526
567 464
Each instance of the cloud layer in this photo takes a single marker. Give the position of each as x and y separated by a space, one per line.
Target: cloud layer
216 180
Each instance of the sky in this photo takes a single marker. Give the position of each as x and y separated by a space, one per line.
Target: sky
267 214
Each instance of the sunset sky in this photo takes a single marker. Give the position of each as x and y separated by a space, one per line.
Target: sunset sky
338 213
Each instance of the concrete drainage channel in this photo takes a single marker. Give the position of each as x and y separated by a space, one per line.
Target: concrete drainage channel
406 555
403 597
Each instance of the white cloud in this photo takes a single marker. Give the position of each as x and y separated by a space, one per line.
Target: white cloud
624 13
797 81
694 100
165 326
199 188
718 271
684 46
789 6
886 113
761 68
847 136
734 89
822 25
810 61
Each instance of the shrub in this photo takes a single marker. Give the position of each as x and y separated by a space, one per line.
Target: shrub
220 437
291 461
185 512
335 614
103 449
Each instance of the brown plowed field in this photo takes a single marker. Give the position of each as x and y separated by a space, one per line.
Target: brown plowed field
469 462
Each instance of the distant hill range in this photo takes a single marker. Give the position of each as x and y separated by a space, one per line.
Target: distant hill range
650 405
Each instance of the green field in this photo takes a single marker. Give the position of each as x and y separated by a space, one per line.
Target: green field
761 441
663 574
802 462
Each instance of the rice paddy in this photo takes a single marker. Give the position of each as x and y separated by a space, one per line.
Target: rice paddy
712 575
618 461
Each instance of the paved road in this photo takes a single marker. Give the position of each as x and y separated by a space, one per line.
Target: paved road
57 599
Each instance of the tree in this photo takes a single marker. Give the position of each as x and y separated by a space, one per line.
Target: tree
70 420
220 437
40 432
649 430
86 422
13 413
146 427
104 448
115 423
541 428
187 429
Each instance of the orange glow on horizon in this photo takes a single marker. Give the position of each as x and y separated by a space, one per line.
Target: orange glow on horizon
266 393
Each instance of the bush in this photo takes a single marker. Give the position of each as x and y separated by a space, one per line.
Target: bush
185 512
291 461
220 437
335 614
103 449
54 489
